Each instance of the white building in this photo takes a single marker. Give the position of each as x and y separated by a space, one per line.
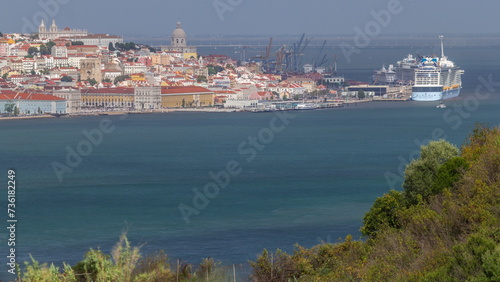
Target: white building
147 98
59 51
54 32
130 68
73 99
101 40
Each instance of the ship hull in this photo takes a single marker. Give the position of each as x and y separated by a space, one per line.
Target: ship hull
435 96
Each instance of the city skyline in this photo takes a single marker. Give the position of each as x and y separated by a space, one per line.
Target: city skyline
242 17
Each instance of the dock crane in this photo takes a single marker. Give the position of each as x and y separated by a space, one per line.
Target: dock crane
320 62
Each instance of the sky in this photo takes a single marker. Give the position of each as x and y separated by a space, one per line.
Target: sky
256 17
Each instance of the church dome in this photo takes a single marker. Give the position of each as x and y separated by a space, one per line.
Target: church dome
179 32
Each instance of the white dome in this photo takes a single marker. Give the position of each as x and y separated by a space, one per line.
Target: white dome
179 32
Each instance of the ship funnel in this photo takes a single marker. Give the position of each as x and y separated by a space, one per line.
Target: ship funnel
442 47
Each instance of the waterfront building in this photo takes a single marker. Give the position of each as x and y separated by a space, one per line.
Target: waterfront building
108 98
186 96
378 90
334 79
73 99
53 32
178 44
147 98
32 103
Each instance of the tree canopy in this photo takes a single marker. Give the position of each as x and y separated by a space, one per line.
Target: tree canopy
66 79
421 173
214 69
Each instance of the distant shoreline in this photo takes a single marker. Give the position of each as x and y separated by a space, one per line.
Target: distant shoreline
184 110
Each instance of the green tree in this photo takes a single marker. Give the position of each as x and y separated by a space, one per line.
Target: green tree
212 70
383 214
201 78
183 103
125 46
77 43
121 78
92 81
448 174
32 51
1 34
5 75
66 79
421 173
361 94
16 111
107 80
9 107
44 50
49 45
111 47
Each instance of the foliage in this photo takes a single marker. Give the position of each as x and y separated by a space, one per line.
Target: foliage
111 47
121 78
44 50
9 107
32 51
448 174
361 94
49 45
1 34
124 264
42 272
421 173
125 46
384 213
201 78
77 43
92 81
66 78
212 70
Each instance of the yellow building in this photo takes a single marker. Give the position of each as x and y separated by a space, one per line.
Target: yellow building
186 96
119 97
160 59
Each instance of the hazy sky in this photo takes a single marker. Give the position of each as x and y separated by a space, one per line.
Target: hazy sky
254 17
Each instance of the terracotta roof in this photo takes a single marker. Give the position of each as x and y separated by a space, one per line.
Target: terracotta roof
183 90
117 90
28 96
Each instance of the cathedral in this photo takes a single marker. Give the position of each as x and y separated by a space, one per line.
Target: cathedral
179 44
54 32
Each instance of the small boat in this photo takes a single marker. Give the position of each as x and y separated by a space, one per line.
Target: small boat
441 106
306 106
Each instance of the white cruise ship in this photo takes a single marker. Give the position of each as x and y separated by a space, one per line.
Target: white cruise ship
384 76
436 78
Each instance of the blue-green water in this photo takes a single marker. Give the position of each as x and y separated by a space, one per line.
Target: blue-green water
313 181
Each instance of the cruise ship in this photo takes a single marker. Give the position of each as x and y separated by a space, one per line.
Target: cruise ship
405 70
384 76
436 78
